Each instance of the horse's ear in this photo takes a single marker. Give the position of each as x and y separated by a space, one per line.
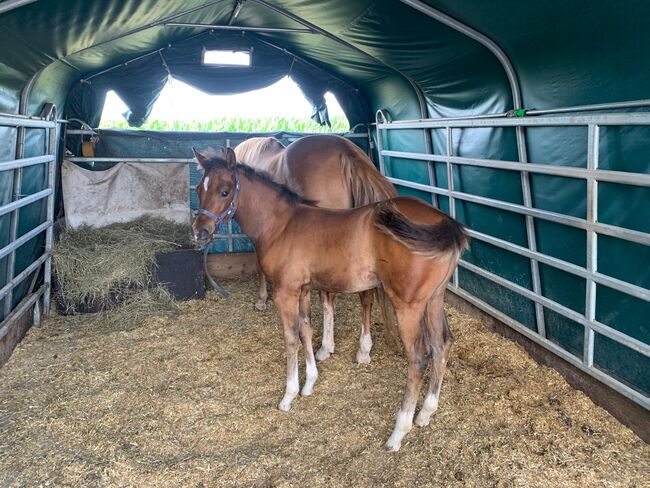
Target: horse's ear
230 157
200 159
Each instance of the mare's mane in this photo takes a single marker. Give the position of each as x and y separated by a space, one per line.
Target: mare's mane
287 194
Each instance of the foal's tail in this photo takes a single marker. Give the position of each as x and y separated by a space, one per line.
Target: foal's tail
366 184
444 238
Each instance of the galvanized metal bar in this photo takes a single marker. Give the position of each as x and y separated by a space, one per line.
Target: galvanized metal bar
578 223
383 115
623 389
634 344
24 201
16 280
450 186
622 177
49 234
593 141
24 162
535 113
239 28
131 160
591 107
633 118
23 239
608 281
12 120
20 309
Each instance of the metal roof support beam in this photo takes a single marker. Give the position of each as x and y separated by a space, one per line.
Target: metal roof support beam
238 28
8 5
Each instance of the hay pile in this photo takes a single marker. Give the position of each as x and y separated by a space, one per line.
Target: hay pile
191 401
113 265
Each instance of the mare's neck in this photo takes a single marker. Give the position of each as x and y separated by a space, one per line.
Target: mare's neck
261 212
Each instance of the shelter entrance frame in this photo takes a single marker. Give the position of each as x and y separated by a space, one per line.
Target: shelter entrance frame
591 225
48 123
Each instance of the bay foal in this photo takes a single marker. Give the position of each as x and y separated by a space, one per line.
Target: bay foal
334 173
403 245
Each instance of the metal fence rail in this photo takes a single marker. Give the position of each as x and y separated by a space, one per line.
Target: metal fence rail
593 228
12 279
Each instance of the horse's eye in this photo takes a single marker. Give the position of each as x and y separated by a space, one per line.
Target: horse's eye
224 193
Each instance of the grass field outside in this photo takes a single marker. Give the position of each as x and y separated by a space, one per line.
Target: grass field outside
237 124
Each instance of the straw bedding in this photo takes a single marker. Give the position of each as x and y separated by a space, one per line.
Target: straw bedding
191 401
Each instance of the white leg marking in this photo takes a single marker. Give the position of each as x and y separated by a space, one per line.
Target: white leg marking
206 180
292 386
403 425
365 344
429 407
311 376
327 344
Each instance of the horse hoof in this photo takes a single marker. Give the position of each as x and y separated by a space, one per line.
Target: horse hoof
322 354
363 358
392 446
284 406
422 421
261 306
307 390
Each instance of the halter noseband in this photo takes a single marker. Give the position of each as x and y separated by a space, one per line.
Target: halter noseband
218 219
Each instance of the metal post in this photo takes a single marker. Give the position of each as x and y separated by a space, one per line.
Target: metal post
592 243
49 233
381 116
450 187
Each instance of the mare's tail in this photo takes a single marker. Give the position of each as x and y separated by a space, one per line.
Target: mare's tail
366 184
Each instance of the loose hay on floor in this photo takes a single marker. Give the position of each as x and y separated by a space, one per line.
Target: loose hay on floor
191 401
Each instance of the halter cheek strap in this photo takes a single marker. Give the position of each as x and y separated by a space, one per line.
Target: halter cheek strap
219 220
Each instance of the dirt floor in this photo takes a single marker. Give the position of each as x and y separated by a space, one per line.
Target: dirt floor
191 401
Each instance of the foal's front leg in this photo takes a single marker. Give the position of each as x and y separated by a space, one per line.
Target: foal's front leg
263 294
286 301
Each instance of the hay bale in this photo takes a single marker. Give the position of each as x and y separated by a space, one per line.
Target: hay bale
101 268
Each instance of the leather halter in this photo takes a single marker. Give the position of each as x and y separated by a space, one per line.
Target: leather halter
218 219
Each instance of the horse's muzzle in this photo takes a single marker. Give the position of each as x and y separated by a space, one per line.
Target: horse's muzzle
203 237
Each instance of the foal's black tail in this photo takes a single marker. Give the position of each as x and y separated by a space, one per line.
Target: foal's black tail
445 237
445 240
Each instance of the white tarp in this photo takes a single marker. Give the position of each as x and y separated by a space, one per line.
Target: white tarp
125 192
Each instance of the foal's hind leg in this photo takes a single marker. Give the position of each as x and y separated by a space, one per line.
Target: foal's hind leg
365 341
409 328
442 341
305 333
327 343
263 294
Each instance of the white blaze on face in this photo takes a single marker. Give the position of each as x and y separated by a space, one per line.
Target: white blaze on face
206 181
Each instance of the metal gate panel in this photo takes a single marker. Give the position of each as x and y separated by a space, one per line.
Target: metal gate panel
595 230
15 307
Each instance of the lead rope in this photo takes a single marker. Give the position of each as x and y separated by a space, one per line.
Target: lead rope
218 220
214 283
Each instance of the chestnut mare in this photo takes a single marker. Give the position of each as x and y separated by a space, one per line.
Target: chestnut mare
403 245
334 173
